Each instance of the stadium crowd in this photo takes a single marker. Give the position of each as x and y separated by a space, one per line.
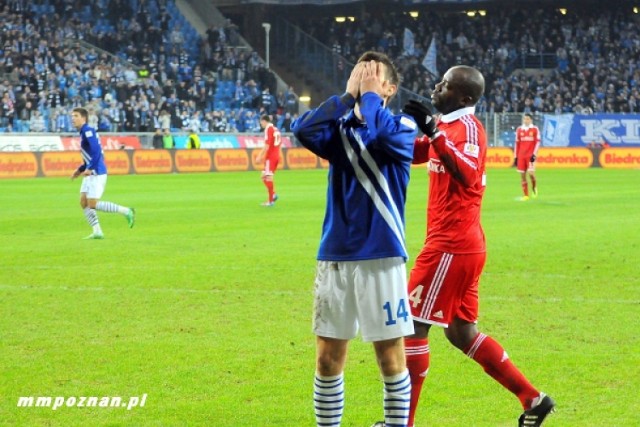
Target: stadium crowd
47 69
595 53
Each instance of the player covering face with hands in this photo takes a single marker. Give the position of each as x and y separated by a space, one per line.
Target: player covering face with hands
444 282
360 282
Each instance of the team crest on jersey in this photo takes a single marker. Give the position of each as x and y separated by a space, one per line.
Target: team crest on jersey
408 122
472 150
88 134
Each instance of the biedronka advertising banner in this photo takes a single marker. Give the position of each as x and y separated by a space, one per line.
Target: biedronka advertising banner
29 157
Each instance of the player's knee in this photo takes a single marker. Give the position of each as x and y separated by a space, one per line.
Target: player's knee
461 334
392 364
328 364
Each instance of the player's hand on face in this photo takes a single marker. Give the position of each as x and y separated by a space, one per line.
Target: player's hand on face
353 84
372 78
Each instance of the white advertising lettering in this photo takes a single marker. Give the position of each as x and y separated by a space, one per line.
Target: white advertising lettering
12 143
624 131
436 167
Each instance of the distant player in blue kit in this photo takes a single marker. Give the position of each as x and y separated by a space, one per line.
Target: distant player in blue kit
94 173
361 278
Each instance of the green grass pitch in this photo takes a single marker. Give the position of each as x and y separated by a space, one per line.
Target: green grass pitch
205 304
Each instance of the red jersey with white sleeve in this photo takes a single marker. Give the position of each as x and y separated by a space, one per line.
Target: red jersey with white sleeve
527 142
457 180
272 141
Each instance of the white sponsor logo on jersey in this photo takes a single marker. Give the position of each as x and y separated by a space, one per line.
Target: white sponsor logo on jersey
436 167
471 150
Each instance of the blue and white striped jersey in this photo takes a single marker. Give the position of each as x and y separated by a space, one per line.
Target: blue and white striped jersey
91 151
368 175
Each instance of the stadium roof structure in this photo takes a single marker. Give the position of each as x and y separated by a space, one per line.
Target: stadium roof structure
329 2
452 3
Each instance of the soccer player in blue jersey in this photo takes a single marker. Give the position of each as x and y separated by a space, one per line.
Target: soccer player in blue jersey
361 279
94 172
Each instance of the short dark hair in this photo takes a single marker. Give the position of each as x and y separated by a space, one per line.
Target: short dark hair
528 115
266 118
82 111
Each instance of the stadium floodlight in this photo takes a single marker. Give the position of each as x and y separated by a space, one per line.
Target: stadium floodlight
267 28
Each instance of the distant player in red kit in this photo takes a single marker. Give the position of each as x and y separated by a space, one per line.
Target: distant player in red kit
443 285
525 151
271 156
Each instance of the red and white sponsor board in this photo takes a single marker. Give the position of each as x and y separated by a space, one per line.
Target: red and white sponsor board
563 158
18 165
620 158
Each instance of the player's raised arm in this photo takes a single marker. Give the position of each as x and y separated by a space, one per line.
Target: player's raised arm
316 128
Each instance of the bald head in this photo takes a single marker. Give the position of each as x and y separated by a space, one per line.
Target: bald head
461 86
470 82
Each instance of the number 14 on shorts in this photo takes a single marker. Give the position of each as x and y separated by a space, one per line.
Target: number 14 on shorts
400 312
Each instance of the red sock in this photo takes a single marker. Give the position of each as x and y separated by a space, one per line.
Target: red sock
533 182
495 362
417 351
525 188
269 185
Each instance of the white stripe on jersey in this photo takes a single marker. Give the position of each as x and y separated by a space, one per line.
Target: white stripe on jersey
85 156
459 155
391 217
436 284
471 128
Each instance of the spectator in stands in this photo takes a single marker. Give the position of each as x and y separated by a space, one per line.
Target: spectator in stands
596 69
62 121
291 101
267 101
104 121
194 122
8 110
36 122
165 120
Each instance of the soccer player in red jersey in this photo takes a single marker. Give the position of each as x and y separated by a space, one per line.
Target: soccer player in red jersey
525 151
271 155
443 285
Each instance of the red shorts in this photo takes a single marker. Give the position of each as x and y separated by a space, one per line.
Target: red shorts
443 286
525 164
270 166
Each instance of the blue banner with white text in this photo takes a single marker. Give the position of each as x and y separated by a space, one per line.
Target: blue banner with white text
592 130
